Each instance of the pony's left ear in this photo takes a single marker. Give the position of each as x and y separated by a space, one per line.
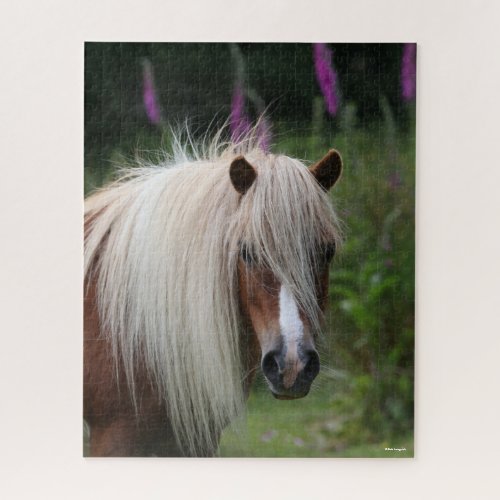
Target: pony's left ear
327 171
242 174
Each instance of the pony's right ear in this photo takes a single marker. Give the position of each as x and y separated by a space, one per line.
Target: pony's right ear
242 174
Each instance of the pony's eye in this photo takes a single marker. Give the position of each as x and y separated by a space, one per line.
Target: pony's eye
246 255
328 251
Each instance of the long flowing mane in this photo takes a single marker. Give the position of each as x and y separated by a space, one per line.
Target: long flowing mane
162 244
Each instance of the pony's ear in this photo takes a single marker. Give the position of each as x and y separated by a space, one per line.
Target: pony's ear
327 171
242 174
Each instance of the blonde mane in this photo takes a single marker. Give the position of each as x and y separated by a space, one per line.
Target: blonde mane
163 245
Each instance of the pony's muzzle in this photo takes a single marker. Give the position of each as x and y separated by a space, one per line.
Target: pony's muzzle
290 378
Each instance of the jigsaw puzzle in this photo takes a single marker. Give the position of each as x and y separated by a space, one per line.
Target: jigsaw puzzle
249 249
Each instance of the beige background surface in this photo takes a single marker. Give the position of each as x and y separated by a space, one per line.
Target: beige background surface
458 248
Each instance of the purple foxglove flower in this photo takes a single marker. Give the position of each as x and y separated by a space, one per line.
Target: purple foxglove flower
151 104
326 76
263 134
409 71
239 123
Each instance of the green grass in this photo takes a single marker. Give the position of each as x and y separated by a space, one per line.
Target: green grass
308 427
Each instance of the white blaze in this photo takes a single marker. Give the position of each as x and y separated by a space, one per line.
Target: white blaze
291 325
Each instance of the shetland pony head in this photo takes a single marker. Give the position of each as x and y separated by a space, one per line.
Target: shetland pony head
206 266
287 239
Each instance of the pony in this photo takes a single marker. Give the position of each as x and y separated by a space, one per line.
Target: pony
198 271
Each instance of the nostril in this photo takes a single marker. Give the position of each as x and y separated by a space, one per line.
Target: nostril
311 368
270 366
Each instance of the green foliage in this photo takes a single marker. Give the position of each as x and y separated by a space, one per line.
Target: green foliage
372 285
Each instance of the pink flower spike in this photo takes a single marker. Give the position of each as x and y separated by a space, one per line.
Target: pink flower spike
326 76
239 123
409 71
263 133
151 105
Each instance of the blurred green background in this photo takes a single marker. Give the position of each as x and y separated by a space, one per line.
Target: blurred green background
363 400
